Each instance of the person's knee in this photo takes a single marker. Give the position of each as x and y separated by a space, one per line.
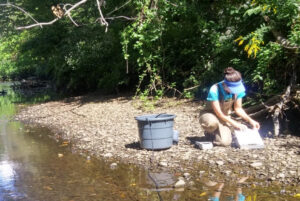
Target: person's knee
224 138
209 122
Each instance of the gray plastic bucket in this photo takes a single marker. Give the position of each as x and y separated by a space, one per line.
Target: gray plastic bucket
156 131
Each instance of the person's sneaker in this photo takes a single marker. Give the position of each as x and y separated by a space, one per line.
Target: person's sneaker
209 137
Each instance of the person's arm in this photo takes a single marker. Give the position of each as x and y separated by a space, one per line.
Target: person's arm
241 112
217 109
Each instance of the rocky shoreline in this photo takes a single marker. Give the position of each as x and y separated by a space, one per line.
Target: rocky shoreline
105 127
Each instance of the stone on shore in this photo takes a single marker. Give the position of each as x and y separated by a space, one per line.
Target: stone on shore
179 184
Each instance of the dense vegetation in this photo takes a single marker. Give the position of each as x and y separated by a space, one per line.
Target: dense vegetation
166 47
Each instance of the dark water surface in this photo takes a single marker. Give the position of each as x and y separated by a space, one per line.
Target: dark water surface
35 167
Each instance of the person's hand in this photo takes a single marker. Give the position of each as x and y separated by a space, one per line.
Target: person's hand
240 126
254 124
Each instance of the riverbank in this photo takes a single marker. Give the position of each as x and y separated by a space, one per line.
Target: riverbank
105 127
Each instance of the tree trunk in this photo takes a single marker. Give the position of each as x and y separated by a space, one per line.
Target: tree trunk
279 107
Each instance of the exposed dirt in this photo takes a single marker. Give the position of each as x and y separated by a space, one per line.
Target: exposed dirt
105 127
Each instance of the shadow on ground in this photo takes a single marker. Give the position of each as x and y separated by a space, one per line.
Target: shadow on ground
193 140
134 145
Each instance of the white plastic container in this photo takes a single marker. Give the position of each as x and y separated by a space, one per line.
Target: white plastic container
204 145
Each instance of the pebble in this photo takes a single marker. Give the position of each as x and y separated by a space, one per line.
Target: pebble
220 163
201 172
272 178
281 175
256 164
179 184
108 155
191 183
113 166
163 163
227 172
179 189
187 175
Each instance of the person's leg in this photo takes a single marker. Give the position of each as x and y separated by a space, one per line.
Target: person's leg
217 192
239 194
209 123
215 131
223 136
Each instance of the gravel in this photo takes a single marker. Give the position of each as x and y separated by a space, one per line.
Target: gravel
106 128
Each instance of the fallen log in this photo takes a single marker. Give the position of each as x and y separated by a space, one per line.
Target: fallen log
262 109
274 106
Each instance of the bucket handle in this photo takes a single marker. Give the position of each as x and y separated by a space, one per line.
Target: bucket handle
159 115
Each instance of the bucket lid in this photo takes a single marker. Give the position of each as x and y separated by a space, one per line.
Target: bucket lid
155 117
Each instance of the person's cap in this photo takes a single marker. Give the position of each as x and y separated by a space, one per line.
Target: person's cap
235 87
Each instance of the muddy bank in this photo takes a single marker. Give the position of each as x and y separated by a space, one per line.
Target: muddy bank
105 127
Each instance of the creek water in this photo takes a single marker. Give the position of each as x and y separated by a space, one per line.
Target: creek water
34 166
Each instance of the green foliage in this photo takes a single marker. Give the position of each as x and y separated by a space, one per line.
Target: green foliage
15 65
170 48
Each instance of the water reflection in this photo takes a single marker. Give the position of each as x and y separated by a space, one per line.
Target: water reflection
6 175
238 194
162 181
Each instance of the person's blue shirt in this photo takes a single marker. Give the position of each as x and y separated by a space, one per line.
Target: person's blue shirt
213 94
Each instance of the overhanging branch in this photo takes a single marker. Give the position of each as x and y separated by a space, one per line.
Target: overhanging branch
119 7
21 9
66 11
41 24
285 43
102 19
75 6
118 17
69 14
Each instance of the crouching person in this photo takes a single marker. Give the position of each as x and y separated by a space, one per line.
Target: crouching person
222 97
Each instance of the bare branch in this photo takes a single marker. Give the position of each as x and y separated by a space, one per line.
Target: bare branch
194 87
173 4
75 6
118 17
285 43
41 24
102 19
67 13
118 8
21 9
69 16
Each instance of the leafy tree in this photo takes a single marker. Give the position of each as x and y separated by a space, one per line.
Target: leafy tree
153 46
